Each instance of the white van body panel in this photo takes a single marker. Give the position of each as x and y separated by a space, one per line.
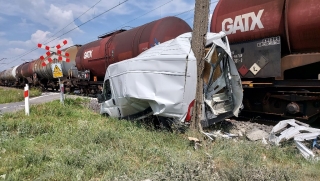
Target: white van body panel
164 78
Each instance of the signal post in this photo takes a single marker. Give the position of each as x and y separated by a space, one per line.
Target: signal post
55 67
57 73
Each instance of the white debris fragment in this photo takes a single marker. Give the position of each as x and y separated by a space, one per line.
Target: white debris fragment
193 139
240 133
305 152
3 176
264 141
299 132
208 135
196 142
218 133
306 136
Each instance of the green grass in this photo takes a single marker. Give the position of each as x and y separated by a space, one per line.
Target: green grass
71 142
8 95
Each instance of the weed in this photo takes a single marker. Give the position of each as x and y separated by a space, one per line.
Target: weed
9 95
70 142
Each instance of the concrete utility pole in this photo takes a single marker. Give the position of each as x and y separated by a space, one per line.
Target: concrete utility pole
200 28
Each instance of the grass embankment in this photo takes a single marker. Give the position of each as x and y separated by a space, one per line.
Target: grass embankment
71 142
8 95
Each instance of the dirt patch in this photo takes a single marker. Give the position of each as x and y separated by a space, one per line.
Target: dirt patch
231 128
240 128
248 126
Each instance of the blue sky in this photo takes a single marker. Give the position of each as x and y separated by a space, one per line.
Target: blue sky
25 23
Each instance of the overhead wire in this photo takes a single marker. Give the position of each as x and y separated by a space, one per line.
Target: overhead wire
122 26
184 12
211 3
76 19
45 42
120 3
145 14
91 19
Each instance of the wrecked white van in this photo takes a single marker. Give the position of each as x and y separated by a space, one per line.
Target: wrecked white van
162 82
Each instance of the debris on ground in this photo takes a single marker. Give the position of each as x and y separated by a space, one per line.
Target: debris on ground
193 139
264 141
218 133
244 127
300 132
3 176
305 137
284 130
236 129
257 134
195 142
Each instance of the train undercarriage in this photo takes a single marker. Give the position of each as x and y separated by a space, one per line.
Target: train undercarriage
282 87
283 99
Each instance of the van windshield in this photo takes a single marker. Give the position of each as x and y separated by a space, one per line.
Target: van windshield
107 90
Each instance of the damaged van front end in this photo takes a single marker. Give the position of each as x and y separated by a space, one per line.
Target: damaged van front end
162 80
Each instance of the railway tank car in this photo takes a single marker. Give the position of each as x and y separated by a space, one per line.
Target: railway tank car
26 71
93 58
20 80
2 80
8 76
275 45
34 74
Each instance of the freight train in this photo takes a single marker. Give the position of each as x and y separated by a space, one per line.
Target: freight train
93 58
88 63
275 45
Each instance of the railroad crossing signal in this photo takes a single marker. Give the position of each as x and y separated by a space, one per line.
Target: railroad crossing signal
56 52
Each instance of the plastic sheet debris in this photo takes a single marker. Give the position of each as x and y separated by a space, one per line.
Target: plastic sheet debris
291 128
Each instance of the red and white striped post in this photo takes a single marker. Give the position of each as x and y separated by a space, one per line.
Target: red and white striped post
61 93
26 99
